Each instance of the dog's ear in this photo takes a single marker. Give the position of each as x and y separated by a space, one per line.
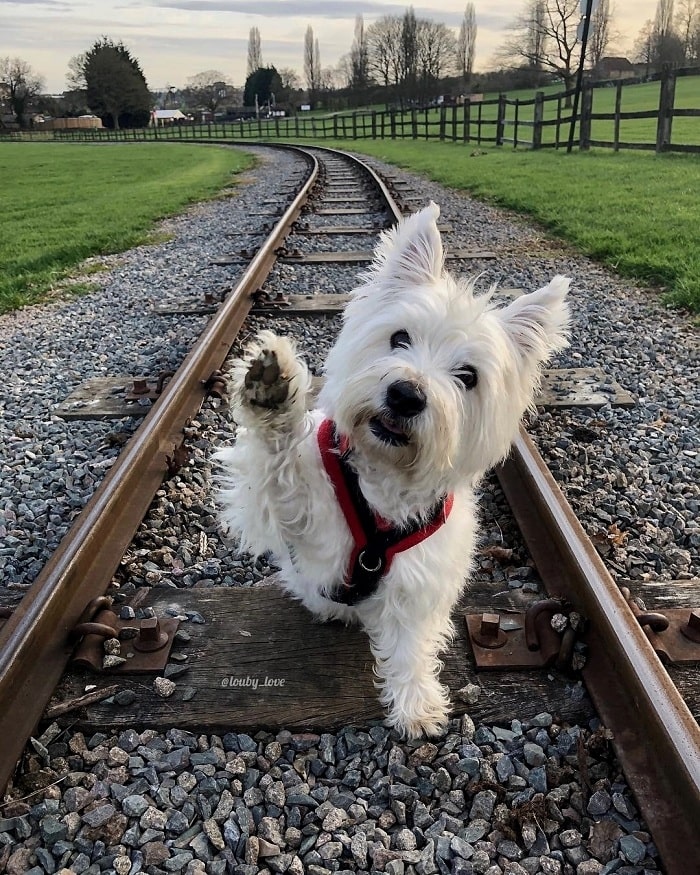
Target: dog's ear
412 251
538 323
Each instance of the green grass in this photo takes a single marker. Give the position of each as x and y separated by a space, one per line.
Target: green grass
62 203
638 213
635 98
633 211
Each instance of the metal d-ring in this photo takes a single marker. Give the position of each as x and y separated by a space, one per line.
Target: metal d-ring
365 568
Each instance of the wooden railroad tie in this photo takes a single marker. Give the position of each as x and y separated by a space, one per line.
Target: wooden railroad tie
112 397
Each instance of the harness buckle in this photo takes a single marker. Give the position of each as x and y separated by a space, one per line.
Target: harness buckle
364 567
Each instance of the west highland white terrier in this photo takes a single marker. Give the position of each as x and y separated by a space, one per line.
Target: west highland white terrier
367 502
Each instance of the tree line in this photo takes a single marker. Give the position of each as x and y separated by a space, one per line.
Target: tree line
400 59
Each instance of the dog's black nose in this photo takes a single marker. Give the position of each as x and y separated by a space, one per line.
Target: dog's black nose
405 399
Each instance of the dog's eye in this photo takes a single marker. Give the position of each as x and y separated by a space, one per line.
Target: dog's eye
400 338
468 377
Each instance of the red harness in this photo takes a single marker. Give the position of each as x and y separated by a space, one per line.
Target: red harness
377 541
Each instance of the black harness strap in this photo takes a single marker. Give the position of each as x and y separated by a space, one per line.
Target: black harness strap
375 544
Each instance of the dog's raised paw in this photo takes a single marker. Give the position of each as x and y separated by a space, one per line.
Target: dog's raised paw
264 384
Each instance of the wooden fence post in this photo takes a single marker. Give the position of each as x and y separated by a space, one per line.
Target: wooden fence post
414 123
666 99
584 126
443 120
537 119
467 119
616 128
392 123
501 119
354 125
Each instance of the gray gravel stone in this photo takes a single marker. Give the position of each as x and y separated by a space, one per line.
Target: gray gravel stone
321 803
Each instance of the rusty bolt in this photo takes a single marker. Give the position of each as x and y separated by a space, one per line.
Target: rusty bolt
490 624
140 386
490 634
692 629
150 636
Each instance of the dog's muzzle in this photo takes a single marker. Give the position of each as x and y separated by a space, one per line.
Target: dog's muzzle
404 400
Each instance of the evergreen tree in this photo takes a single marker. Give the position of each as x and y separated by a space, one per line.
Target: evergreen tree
116 87
265 83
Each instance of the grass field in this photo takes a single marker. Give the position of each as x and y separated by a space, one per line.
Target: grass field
637 212
63 203
635 98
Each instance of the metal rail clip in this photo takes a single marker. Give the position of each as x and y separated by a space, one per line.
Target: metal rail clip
143 644
674 634
263 299
542 636
143 388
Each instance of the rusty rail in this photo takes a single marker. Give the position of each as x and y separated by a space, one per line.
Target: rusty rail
34 642
656 738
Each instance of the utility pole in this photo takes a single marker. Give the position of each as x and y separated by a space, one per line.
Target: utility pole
589 5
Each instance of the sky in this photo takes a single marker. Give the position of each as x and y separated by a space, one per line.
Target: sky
174 40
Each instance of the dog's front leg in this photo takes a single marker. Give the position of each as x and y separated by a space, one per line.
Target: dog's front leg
406 653
265 495
270 387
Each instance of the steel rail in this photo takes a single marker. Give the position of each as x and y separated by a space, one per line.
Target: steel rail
655 736
35 642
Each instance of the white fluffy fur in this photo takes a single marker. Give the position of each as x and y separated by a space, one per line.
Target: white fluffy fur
277 497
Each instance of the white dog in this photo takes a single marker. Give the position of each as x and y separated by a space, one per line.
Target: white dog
367 503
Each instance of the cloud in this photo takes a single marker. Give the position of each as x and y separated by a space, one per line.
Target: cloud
175 39
284 8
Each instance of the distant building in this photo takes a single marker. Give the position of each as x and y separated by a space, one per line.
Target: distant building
160 117
614 68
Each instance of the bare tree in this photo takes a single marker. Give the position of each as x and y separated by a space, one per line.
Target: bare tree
327 78
545 38
643 51
668 45
693 50
75 77
600 33
384 49
312 62
317 62
688 28
359 58
536 33
21 84
409 48
290 79
254 51
663 22
208 90
435 51
466 45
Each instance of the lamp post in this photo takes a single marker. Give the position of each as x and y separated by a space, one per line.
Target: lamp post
587 7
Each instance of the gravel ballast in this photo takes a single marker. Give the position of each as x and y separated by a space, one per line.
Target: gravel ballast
534 796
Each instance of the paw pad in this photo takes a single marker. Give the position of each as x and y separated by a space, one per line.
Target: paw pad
265 384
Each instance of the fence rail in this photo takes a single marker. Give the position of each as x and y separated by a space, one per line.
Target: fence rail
543 121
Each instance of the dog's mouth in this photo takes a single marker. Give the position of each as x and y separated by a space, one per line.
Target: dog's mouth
389 431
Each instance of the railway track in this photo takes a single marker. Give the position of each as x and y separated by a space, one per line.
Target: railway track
655 734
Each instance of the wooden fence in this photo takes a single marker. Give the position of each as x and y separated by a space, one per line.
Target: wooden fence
543 121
